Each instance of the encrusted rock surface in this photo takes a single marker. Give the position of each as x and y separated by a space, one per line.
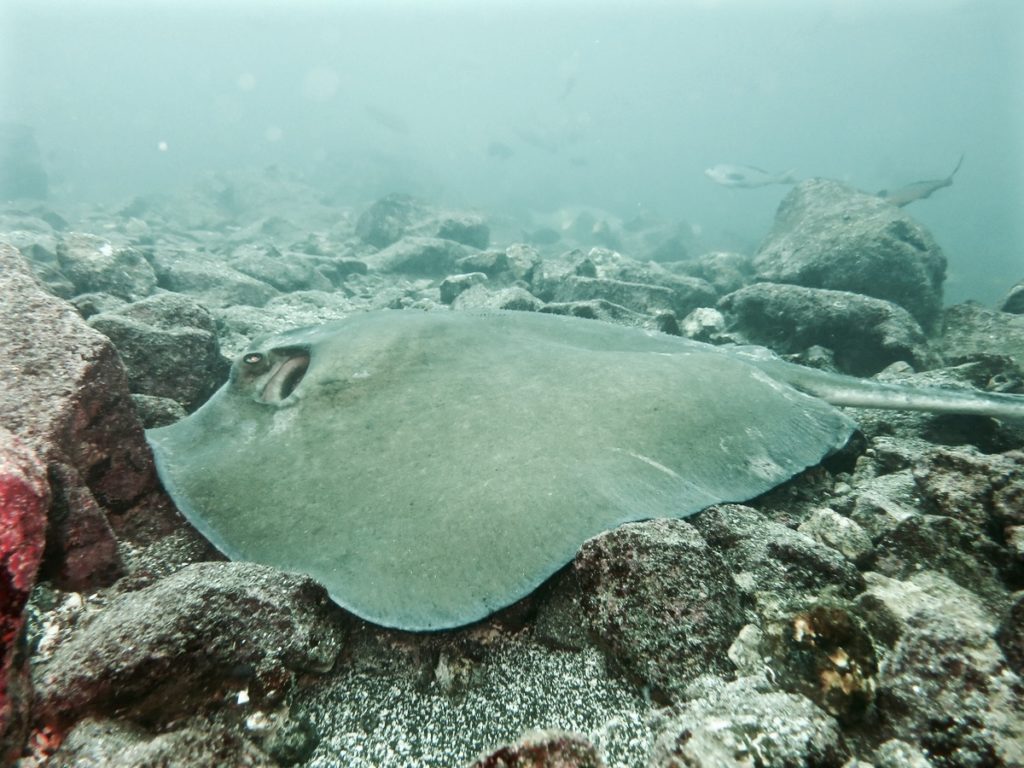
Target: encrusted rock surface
745 722
660 602
945 544
115 744
1011 634
201 634
970 330
944 684
639 297
454 285
772 563
985 491
388 219
824 652
724 270
514 298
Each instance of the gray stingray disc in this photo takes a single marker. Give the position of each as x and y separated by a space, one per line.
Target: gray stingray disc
431 468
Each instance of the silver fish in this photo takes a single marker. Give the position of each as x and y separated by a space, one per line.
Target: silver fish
919 190
747 176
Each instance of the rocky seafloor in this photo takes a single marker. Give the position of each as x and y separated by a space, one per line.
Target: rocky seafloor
869 611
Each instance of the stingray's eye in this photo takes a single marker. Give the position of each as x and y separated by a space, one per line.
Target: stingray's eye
253 358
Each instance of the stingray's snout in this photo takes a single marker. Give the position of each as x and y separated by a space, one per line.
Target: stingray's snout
271 377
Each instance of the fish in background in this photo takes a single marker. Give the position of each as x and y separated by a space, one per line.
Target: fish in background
499 150
21 168
748 176
385 118
919 190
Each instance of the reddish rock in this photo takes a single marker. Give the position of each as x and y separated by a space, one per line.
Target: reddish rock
544 750
65 396
24 500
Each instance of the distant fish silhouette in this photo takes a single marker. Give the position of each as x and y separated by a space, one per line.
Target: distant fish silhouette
747 176
568 87
919 190
546 143
542 236
499 150
387 119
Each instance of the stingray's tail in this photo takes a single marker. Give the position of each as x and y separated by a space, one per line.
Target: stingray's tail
864 393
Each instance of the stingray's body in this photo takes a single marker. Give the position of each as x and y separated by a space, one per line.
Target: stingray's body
431 468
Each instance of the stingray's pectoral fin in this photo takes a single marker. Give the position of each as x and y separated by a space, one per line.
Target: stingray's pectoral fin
270 376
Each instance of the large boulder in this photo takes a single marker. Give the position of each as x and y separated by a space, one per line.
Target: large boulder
828 235
865 334
168 344
65 395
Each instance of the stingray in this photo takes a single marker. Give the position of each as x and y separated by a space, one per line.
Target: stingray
430 468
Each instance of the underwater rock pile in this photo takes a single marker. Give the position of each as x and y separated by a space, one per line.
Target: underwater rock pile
868 610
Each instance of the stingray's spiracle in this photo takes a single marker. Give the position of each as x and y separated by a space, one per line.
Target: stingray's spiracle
285 376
